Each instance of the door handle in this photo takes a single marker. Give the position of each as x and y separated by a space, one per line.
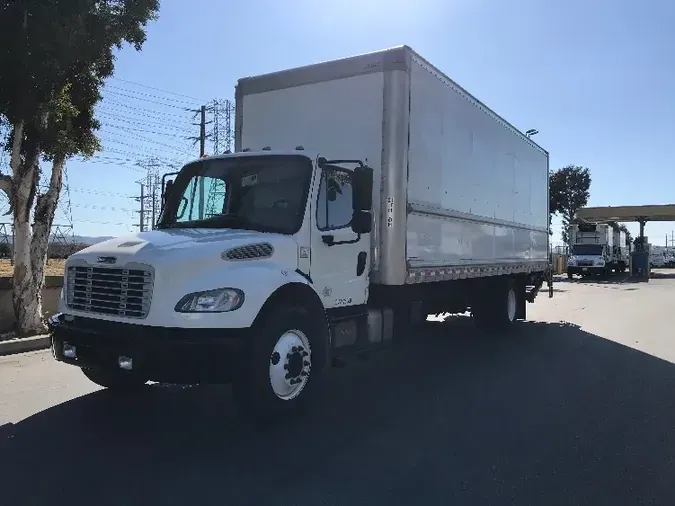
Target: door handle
329 240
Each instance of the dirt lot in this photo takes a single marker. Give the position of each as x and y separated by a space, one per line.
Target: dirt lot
54 268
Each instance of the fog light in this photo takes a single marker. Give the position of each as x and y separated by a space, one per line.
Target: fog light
125 363
69 351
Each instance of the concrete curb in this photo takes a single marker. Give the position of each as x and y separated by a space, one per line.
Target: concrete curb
12 346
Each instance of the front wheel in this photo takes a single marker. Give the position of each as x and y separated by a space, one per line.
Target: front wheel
280 372
114 380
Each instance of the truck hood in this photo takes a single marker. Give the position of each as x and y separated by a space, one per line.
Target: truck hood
160 247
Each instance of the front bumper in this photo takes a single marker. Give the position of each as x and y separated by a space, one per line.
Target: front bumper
171 355
583 269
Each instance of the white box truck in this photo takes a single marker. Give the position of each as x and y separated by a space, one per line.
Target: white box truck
363 194
621 252
595 250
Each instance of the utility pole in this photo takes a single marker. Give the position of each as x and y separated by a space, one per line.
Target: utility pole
201 138
202 131
143 211
141 223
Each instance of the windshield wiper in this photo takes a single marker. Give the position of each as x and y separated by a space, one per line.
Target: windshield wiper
217 221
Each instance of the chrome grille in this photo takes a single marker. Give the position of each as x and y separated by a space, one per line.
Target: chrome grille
250 251
585 263
102 290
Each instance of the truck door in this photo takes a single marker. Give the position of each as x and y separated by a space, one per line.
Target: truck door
340 260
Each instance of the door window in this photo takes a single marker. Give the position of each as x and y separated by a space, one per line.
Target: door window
334 203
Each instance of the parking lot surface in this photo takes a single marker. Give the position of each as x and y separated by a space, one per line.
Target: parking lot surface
575 409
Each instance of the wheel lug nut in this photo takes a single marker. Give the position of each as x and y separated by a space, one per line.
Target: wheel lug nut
305 363
275 358
305 354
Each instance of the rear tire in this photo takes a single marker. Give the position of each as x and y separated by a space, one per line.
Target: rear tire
280 373
114 380
498 306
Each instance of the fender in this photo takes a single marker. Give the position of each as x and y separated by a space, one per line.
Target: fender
258 280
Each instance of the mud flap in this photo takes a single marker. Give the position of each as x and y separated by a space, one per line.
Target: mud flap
550 282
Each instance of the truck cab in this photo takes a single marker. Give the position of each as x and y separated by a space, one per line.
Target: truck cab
248 243
587 259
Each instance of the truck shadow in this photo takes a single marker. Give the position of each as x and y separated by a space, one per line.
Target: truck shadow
554 412
663 274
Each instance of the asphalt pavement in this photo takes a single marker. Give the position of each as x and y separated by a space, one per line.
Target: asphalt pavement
577 409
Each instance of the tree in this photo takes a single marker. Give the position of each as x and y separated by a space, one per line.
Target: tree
55 58
569 191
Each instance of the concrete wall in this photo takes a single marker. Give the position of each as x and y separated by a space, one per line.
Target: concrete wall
50 299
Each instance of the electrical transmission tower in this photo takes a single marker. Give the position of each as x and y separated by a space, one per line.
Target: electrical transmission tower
149 198
222 132
6 240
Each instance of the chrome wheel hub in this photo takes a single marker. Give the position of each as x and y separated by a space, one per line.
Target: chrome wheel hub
290 364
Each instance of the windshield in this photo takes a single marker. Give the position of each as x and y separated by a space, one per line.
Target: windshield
587 249
264 193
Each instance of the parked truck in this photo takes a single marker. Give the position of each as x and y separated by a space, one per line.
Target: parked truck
363 194
621 251
595 250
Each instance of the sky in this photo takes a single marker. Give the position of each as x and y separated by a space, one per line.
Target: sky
597 79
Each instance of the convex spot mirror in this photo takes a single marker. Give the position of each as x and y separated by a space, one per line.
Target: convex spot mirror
362 222
362 189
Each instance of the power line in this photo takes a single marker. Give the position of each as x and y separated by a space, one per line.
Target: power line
191 103
142 99
156 89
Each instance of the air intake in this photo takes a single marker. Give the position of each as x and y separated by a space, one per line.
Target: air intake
249 252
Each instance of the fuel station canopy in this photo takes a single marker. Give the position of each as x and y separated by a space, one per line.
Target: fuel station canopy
639 214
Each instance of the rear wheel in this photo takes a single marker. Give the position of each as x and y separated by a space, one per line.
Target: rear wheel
497 308
281 371
114 380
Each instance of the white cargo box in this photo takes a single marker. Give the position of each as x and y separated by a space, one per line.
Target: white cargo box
459 192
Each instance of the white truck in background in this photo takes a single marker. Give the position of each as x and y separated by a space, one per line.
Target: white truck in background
621 251
595 250
378 191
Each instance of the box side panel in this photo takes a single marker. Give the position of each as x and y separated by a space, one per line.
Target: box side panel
478 190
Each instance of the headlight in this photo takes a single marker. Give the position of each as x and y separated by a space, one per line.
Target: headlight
571 261
211 301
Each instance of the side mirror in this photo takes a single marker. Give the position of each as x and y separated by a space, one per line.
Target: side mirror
362 222
362 189
167 190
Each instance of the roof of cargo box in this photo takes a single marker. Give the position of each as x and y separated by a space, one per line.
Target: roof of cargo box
664 212
383 60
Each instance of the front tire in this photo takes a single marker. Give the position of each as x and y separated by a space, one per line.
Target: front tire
280 373
114 380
